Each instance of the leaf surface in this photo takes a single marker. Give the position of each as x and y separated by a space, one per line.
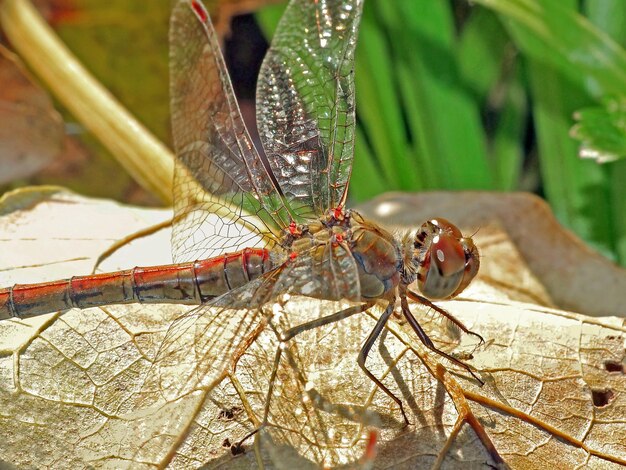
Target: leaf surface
554 380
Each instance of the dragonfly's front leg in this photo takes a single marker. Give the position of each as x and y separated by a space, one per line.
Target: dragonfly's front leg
367 346
404 304
287 336
465 414
424 301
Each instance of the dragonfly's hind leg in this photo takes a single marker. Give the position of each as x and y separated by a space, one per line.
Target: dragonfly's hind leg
367 346
237 447
144 232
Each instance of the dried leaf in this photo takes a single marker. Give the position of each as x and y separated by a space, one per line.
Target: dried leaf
32 133
554 381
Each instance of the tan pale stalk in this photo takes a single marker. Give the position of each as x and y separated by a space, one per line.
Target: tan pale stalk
147 160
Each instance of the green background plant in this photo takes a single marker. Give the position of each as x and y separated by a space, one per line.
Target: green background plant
483 97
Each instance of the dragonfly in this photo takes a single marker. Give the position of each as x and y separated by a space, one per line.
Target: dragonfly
251 229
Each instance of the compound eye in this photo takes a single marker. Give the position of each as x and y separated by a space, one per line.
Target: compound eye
471 265
448 261
446 226
444 267
447 253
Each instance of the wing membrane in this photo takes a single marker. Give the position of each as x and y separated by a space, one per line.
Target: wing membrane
218 169
305 103
327 271
201 344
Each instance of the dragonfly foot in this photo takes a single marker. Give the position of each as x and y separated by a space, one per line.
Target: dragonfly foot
405 417
481 339
473 374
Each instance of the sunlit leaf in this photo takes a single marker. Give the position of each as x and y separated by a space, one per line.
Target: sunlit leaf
553 392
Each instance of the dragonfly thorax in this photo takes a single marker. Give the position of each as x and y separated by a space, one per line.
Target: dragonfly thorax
345 233
378 258
442 260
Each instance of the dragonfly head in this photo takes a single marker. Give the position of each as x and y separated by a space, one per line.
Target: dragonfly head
445 260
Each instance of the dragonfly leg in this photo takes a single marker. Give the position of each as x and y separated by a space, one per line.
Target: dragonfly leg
237 448
335 317
423 300
404 304
367 346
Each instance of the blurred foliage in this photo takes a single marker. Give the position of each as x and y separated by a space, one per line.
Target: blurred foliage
124 45
602 131
483 96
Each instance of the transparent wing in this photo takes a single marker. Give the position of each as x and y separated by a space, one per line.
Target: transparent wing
201 345
224 198
326 271
305 103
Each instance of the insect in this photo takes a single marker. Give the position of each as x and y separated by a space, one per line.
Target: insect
249 229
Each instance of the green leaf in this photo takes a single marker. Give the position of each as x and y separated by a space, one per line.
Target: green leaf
569 62
554 34
490 68
268 18
444 113
610 16
602 131
367 178
506 149
379 106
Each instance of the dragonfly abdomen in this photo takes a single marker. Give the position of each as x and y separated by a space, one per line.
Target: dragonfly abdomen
186 283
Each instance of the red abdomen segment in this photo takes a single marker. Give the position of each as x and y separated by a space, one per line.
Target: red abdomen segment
187 283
